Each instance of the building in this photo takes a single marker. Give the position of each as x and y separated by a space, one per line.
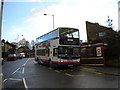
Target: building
24 43
12 48
98 34
7 48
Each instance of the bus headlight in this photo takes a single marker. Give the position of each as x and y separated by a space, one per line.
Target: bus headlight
78 60
61 60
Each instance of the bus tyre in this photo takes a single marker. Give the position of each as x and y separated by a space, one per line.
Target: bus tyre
36 60
50 64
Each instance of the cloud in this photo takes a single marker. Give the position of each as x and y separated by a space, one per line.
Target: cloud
15 30
65 16
74 15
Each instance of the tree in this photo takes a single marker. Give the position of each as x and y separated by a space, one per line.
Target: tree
110 22
32 44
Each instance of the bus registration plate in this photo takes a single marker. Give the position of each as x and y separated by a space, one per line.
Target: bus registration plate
70 60
70 39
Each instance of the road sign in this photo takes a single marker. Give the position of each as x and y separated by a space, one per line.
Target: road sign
98 51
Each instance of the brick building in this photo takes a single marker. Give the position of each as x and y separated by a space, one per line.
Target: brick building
97 33
7 48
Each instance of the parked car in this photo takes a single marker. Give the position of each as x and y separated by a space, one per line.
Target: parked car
12 57
19 56
23 55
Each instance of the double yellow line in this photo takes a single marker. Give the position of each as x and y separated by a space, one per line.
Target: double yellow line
73 75
84 69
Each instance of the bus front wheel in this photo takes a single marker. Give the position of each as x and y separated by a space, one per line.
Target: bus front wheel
50 64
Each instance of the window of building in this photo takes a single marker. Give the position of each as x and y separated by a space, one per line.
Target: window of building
101 34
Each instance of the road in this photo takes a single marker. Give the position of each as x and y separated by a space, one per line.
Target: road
26 73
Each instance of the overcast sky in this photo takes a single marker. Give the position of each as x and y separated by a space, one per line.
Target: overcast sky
25 17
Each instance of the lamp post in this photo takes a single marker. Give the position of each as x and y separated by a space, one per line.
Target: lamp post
1 12
53 19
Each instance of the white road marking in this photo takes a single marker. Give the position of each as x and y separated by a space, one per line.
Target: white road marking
5 80
14 79
23 70
27 60
25 85
25 63
35 62
15 71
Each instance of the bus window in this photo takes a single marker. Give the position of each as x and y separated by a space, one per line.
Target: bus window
47 52
83 52
65 51
41 52
69 36
55 52
76 52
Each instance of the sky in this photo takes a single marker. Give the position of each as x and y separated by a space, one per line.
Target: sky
25 19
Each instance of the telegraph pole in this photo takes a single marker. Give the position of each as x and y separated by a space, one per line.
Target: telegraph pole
1 12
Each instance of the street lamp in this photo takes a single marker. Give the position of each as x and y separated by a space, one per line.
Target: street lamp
1 14
53 19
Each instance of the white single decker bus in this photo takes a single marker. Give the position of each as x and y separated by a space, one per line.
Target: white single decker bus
60 47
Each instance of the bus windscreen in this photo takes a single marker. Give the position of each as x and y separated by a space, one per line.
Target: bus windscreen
69 36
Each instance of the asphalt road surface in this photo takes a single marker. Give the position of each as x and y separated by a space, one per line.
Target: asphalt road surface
26 73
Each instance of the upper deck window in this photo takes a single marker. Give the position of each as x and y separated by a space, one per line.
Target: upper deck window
69 36
48 36
68 33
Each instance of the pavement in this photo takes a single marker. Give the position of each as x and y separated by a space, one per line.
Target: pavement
106 70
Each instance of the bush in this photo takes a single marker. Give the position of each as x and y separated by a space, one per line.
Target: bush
113 61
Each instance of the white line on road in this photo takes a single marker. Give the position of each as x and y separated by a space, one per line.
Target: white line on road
34 61
23 70
25 63
14 79
15 71
27 60
25 85
5 80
